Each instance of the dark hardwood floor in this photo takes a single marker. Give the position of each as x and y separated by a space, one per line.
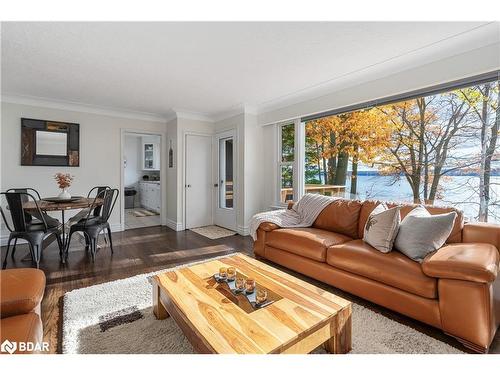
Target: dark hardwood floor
146 250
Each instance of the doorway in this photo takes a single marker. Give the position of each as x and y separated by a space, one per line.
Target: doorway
225 202
198 180
142 185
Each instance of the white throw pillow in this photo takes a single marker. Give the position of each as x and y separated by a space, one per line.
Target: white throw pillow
382 227
421 233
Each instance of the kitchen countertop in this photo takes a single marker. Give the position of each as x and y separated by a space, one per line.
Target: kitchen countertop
149 182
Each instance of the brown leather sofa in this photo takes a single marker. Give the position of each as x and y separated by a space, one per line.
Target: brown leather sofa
455 289
21 293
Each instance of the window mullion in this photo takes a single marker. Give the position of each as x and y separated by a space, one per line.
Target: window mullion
299 161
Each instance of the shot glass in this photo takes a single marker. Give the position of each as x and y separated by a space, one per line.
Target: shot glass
231 273
223 272
240 283
250 286
261 296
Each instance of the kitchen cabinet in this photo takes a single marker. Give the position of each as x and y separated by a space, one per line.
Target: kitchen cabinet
150 154
150 195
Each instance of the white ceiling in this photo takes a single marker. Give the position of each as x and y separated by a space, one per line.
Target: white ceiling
212 68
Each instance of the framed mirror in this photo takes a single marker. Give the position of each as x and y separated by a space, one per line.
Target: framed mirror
50 143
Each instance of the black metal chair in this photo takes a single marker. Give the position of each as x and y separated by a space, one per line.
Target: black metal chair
34 233
95 212
99 191
91 226
51 221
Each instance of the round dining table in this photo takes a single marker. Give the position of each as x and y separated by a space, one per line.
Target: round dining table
49 206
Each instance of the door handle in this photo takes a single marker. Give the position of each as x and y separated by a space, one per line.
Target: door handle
187 186
216 185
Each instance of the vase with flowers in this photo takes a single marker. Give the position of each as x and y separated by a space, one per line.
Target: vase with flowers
64 182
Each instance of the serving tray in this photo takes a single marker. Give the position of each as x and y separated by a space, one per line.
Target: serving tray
236 292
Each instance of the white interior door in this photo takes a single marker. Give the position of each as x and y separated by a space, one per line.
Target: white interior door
198 181
225 202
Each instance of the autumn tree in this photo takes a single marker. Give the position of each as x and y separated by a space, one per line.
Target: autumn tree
426 130
357 136
484 101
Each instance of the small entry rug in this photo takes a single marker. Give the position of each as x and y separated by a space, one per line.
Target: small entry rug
213 232
117 317
141 212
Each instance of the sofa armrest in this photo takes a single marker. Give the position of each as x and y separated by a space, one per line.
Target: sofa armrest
268 227
482 232
476 262
21 291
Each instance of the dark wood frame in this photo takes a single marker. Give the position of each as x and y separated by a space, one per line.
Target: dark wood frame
29 127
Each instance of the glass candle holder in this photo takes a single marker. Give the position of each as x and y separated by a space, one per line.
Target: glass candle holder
250 285
231 273
240 283
261 296
223 272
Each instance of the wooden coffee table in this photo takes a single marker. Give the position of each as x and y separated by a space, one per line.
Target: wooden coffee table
302 317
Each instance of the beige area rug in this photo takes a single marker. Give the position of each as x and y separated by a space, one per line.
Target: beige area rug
213 232
117 317
141 212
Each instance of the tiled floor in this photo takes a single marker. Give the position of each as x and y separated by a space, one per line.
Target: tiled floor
132 221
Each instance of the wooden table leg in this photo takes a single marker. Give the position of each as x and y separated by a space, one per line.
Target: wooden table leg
158 308
340 342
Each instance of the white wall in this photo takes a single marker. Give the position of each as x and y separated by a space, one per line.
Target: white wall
269 170
100 154
171 183
176 132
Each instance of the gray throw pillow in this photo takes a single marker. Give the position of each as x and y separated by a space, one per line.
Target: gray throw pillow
382 227
421 233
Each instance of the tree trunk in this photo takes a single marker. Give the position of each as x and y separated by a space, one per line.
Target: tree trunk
324 172
488 157
354 175
426 176
332 161
332 168
341 172
483 204
318 154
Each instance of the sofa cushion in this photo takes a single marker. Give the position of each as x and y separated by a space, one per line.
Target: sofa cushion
394 269
307 242
340 216
21 290
464 261
421 233
405 208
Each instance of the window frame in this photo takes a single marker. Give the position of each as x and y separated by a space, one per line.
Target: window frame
282 163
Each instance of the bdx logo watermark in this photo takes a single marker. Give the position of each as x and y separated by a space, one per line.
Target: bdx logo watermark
21 347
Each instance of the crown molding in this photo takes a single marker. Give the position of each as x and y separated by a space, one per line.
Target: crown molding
235 111
189 115
80 107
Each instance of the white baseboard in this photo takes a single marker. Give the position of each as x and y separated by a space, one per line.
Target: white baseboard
174 225
117 227
243 231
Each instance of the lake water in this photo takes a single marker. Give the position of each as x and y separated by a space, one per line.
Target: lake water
458 191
